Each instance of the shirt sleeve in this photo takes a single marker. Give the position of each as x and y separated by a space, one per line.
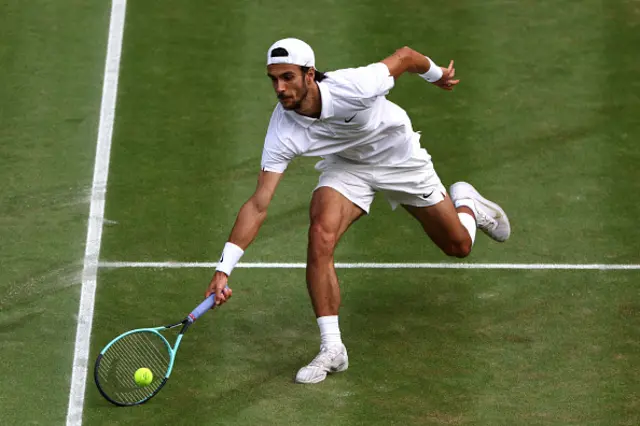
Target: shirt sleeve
365 82
276 155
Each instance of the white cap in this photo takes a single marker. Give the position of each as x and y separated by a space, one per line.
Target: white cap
296 52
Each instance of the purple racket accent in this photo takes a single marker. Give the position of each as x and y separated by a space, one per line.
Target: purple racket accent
202 308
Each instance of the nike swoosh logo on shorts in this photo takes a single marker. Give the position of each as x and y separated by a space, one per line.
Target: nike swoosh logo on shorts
425 196
348 120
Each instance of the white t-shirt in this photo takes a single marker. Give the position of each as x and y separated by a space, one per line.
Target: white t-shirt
357 123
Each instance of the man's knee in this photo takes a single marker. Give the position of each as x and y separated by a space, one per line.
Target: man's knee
458 249
322 241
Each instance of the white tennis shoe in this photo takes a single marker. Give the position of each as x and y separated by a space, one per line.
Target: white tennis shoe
331 359
490 217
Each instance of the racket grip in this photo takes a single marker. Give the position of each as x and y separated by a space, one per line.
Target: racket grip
203 307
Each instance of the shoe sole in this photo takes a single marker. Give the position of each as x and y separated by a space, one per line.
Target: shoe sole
489 204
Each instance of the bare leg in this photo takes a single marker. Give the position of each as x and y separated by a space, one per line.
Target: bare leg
331 215
442 224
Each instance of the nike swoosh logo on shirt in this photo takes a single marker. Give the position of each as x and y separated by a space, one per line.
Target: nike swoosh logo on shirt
348 120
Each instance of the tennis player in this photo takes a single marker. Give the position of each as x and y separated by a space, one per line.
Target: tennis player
367 145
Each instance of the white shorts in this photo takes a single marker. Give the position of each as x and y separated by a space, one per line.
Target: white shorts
413 183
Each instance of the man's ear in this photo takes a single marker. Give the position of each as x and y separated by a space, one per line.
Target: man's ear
311 74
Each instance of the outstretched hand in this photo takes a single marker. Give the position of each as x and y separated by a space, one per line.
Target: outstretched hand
447 82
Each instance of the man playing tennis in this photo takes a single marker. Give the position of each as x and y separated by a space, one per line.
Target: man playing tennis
368 145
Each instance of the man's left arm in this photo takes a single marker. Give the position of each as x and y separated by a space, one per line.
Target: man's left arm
406 59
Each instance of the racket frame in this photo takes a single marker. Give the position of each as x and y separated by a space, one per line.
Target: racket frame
201 309
172 354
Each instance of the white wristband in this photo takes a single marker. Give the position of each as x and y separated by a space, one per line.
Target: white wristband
230 257
434 74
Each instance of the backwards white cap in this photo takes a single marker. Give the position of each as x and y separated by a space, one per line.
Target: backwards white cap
291 51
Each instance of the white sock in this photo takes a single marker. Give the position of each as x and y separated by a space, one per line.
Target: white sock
466 202
329 330
470 223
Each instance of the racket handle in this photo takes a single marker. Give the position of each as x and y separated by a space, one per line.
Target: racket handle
203 307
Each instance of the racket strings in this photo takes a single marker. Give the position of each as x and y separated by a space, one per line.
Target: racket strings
116 371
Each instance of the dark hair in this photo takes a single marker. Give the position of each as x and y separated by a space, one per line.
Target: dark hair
319 75
278 52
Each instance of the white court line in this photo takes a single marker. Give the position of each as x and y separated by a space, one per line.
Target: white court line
561 266
96 214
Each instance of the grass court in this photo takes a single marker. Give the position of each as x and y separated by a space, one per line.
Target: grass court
544 121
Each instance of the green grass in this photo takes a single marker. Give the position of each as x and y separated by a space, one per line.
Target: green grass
426 347
51 59
544 122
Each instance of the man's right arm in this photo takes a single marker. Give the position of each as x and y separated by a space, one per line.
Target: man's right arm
250 218
253 213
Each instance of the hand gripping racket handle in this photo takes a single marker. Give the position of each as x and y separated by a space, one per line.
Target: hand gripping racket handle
203 307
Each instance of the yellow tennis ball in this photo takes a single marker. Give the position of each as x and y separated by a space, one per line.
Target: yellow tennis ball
143 377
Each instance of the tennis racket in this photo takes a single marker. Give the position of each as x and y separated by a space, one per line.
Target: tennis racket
118 362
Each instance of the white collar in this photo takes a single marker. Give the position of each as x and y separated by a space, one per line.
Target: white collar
327 101
325 112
